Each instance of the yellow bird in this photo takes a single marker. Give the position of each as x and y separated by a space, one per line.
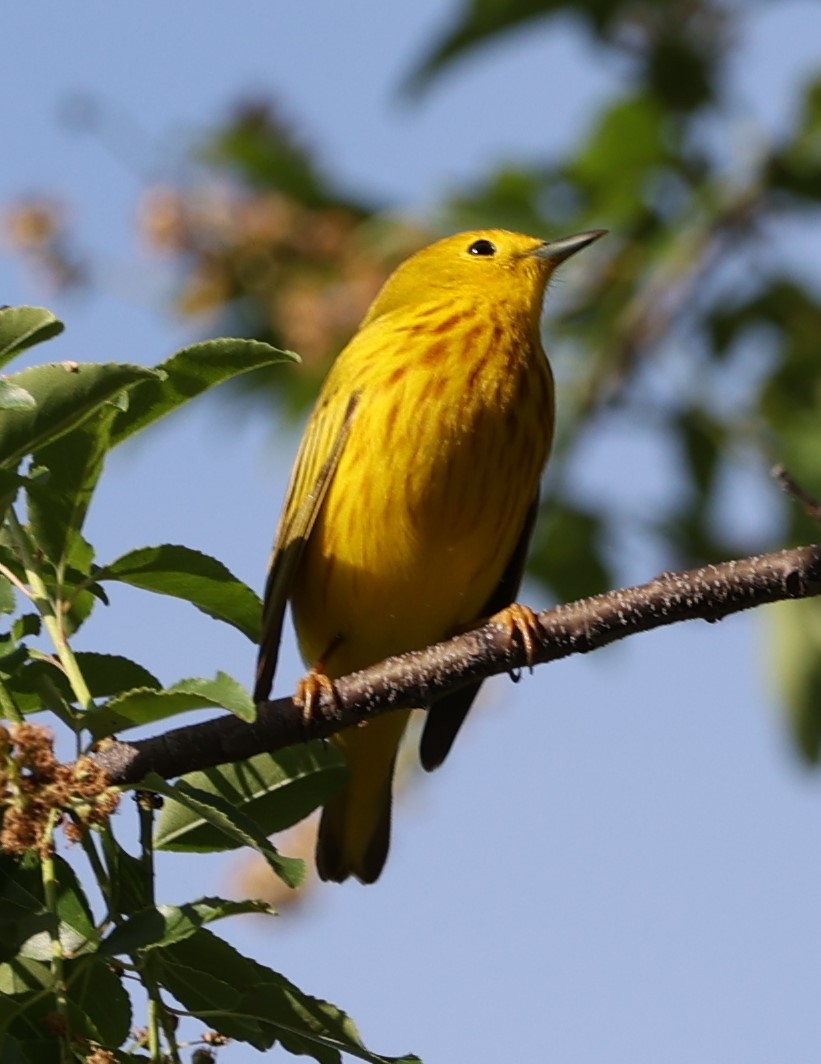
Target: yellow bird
413 497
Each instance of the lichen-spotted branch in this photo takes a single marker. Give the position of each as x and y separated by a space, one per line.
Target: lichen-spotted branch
421 677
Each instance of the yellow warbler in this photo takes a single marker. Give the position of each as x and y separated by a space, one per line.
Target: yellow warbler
413 496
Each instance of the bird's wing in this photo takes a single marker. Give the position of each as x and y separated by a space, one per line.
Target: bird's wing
445 717
314 469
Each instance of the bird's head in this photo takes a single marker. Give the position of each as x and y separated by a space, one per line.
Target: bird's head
491 264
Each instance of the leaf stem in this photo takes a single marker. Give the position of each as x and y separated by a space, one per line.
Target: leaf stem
97 866
15 581
159 1021
49 611
56 960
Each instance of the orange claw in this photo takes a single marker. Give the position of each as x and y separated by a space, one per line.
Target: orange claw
312 685
521 621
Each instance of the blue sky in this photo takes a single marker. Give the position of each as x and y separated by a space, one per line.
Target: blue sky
619 862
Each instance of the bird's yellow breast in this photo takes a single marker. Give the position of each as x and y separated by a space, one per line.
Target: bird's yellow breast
451 432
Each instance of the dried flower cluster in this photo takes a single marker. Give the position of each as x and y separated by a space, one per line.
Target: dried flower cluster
36 791
309 273
101 1056
38 229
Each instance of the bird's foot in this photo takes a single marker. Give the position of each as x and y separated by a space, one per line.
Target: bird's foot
309 691
520 621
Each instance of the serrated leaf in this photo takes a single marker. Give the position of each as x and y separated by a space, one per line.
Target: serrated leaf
22 327
206 975
223 691
309 1026
108 675
233 823
189 373
147 705
66 394
258 1005
39 683
161 925
276 790
181 572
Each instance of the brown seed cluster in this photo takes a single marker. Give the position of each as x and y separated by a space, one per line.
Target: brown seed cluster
36 791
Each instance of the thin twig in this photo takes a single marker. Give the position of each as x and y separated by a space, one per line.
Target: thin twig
811 505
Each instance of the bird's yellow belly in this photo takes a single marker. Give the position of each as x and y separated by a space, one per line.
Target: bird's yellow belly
417 529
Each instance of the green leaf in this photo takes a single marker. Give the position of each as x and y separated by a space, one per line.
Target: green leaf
36 684
22 327
10 484
27 624
309 1026
99 1006
72 584
477 22
233 823
25 1019
247 1001
66 394
23 975
13 397
18 927
13 1052
41 684
634 130
59 502
275 790
161 925
198 578
8 602
796 167
147 705
796 641
208 976
567 552
131 885
257 147
21 890
189 373
109 675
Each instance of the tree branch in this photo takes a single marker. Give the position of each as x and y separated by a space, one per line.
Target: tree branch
419 678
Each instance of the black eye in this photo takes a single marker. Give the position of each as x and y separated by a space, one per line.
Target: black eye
482 247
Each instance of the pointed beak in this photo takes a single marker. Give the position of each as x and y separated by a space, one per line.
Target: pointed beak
556 251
